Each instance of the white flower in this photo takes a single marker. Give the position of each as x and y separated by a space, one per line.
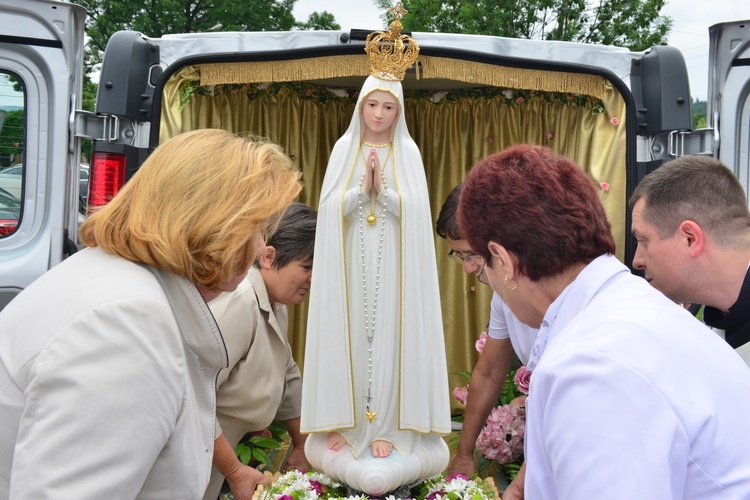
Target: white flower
338 92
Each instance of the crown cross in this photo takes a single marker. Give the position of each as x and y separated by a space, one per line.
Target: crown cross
391 53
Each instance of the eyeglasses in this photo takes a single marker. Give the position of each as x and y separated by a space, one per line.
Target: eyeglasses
481 275
473 259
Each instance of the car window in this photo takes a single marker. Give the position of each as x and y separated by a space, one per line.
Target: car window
12 119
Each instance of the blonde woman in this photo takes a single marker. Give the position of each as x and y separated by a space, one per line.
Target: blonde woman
108 362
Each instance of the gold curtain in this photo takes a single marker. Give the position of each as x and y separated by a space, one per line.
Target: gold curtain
453 129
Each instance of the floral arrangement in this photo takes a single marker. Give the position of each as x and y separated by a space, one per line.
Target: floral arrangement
298 485
501 438
456 487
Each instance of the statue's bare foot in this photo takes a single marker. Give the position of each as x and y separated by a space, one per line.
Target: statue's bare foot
335 441
381 449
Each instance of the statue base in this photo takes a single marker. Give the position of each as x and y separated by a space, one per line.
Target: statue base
377 476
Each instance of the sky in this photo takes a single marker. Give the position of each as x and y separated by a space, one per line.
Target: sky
691 19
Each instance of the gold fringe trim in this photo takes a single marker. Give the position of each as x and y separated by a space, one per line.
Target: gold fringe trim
430 67
284 71
514 78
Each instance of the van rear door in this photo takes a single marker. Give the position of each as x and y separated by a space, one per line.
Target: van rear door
729 95
41 71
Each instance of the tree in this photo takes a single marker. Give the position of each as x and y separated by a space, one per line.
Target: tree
156 18
320 21
635 24
699 114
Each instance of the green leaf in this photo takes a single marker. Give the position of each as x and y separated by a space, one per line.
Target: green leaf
260 456
263 442
244 453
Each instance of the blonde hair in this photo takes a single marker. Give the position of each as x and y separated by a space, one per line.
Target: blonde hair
195 205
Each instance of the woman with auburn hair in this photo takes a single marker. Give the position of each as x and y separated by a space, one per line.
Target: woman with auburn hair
108 362
616 407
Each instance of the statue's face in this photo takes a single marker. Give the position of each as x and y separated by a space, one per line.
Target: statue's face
379 111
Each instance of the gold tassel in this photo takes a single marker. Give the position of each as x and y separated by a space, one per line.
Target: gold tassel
284 71
513 78
430 67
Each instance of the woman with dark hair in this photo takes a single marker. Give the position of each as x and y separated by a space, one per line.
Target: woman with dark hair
253 320
617 408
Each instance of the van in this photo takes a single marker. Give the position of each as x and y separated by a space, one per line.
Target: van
619 114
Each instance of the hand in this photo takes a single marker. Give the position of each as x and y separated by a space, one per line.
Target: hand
244 480
372 173
462 463
377 179
514 491
297 460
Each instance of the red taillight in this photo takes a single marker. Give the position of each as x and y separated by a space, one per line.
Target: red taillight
7 226
106 179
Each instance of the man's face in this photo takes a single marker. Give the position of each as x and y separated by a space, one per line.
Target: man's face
463 250
662 260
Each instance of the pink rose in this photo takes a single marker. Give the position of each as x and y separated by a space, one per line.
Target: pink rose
522 379
461 393
479 345
488 140
614 121
548 135
519 100
604 185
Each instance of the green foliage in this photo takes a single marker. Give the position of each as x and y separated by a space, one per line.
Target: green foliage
636 25
156 18
320 21
700 114
11 134
254 449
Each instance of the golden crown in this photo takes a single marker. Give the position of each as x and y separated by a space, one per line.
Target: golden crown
391 53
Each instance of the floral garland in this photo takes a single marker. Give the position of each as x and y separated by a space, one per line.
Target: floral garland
322 94
501 438
299 485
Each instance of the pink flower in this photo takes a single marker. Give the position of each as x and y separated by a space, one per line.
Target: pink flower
317 487
548 135
457 475
522 379
479 345
501 437
308 92
519 100
461 393
488 140
614 121
604 185
519 401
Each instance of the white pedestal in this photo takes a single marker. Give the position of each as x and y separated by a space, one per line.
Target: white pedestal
376 476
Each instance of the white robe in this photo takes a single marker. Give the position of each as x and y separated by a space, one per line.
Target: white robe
409 375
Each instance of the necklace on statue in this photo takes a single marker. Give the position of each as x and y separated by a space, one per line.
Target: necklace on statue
370 414
371 218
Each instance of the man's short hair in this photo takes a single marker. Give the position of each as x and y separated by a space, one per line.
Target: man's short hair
696 188
447 224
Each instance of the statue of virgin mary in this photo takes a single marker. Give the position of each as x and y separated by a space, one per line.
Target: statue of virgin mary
375 392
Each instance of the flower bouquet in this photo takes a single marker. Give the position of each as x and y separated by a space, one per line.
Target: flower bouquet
298 485
501 439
